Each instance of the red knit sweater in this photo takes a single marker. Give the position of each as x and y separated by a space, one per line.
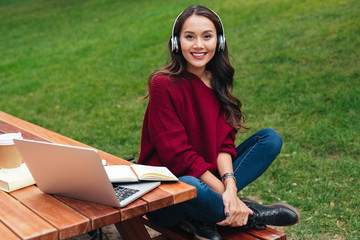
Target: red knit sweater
184 127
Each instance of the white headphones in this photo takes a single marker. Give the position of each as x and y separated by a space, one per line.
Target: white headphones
175 43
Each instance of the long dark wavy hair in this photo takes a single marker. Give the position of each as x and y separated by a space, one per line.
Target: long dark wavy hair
221 70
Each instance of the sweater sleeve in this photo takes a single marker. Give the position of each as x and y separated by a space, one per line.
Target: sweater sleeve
168 133
229 144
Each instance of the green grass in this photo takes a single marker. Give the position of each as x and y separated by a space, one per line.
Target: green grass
78 67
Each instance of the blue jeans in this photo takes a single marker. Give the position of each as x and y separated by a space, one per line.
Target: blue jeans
254 156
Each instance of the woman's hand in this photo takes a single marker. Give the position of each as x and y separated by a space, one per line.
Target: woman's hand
235 210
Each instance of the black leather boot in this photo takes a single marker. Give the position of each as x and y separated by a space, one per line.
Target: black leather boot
277 214
201 230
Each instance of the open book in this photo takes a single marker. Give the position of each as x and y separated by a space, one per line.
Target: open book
137 172
15 178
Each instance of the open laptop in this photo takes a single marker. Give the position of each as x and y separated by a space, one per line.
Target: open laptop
78 173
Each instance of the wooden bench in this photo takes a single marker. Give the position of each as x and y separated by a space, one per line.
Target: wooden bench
176 233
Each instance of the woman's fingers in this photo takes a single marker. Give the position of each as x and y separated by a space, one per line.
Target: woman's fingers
236 212
227 212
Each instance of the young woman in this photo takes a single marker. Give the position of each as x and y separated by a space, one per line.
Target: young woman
190 125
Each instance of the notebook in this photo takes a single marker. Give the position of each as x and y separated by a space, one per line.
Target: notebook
78 173
138 172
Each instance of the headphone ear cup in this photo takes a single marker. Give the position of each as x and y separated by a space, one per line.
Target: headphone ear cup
174 44
221 43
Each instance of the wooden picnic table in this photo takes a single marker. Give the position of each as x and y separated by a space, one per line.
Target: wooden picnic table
29 213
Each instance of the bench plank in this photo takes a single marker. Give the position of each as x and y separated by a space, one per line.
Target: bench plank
69 222
227 233
267 234
179 234
12 213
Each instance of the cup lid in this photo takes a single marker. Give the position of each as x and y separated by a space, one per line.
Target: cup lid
7 138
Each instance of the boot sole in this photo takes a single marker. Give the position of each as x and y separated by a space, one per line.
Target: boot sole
278 204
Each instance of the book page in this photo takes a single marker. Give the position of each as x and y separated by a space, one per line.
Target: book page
152 173
120 173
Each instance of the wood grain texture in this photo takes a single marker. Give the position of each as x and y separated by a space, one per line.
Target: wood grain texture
99 215
132 229
18 217
228 233
38 131
157 199
8 128
68 222
267 234
274 231
6 233
134 209
181 191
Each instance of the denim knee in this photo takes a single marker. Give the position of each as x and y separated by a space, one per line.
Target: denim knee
205 196
272 141
207 206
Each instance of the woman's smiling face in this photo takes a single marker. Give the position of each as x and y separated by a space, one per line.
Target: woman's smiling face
198 41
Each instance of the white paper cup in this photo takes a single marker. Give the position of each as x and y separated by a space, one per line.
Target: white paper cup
9 155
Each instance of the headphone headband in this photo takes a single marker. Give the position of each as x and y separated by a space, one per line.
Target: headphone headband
175 41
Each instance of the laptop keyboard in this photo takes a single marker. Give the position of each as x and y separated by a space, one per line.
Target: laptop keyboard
124 192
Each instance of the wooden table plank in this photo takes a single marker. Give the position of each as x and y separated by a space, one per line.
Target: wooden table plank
134 209
68 222
157 199
17 217
180 191
38 131
8 128
6 233
35 131
99 215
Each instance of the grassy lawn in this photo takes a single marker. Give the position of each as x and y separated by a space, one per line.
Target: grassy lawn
78 67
